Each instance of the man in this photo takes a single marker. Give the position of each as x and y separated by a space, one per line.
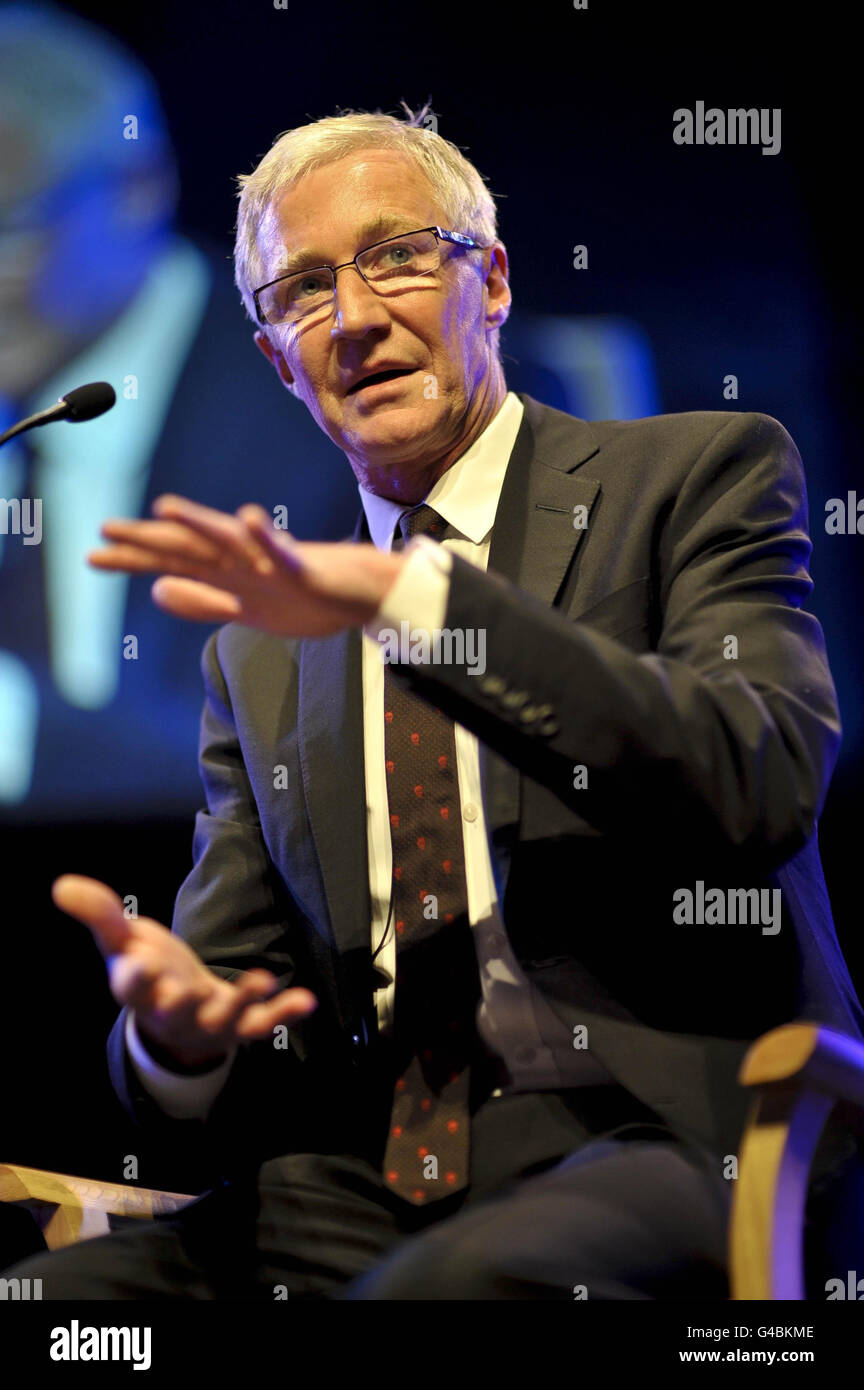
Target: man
97 284
527 899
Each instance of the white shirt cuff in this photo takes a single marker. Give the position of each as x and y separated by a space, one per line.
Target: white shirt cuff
419 596
181 1097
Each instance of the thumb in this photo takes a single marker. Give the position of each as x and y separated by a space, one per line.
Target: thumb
97 906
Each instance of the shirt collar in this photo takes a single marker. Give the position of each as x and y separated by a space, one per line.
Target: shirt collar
467 494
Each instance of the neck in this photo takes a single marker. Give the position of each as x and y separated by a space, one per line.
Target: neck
411 483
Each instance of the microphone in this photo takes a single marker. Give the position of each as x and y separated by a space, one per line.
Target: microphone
84 403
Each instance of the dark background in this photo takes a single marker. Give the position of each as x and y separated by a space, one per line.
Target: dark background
730 261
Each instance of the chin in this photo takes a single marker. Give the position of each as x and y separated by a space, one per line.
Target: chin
391 426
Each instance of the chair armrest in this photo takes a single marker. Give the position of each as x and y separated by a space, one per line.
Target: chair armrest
68 1209
801 1070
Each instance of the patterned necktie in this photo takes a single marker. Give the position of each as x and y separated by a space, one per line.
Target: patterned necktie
437 981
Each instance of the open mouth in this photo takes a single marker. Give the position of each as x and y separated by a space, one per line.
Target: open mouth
378 377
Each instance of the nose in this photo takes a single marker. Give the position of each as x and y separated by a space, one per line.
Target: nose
358 307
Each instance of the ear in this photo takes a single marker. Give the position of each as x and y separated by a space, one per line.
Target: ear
498 293
275 358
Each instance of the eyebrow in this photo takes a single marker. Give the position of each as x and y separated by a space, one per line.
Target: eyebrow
378 227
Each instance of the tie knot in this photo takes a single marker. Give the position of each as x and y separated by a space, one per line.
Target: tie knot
420 521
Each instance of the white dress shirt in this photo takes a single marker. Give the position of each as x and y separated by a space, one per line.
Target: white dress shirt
513 1018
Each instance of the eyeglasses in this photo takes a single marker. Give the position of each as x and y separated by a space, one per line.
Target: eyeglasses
388 266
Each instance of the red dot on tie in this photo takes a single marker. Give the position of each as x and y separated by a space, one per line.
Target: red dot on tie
423 894
415 738
396 1131
418 790
392 1176
442 761
400 927
454 1076
425 1103
389 765
451 1176
422 1151
388 715
421 841
448 917
419 1195
446 865
426 1054
397 873
444 812
400 1084
394 819
452 1125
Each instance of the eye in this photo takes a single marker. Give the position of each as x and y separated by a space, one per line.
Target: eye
306 286
393 255
401 253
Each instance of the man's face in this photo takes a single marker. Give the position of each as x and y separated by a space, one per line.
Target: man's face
440 328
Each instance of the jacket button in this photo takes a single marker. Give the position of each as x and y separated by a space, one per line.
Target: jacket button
548 724
513 699
491 685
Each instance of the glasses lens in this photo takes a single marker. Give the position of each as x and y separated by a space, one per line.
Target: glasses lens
400 260
295 296
391 265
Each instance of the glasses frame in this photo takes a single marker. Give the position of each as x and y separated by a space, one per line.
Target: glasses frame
441 234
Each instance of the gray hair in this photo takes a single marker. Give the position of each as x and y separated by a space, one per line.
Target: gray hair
467 203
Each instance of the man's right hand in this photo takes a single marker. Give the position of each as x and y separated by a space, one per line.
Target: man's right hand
188 1012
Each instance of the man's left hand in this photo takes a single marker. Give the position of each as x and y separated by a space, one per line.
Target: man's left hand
218 568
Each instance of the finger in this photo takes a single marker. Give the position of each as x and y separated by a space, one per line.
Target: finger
221 1011
98 907
254 514
140 559
223 530
172 537
189 598
280 545
260 1019
257 523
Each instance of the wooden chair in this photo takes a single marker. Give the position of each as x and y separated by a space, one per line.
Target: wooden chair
799 1072
68 1209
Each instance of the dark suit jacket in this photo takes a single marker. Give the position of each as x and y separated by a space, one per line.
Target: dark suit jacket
605 648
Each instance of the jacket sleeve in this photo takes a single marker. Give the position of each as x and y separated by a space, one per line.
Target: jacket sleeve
233 910
725 734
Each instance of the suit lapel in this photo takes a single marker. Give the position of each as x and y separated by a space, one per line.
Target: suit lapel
331 747
534 543
535 539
